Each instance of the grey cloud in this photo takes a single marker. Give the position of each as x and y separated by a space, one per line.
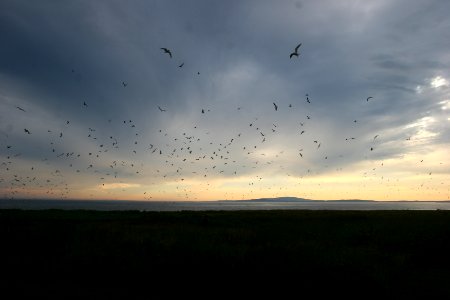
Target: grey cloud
55 56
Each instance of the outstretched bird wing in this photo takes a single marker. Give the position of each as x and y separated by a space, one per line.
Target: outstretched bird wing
295 53
167 51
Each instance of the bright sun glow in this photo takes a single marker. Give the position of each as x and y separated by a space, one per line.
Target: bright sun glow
445 104
438 81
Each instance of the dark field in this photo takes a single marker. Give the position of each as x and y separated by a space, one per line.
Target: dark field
106 254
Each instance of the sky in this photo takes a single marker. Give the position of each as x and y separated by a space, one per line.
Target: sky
91 107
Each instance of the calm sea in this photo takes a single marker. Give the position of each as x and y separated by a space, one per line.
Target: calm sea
108 205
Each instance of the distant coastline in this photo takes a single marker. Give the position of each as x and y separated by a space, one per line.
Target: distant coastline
295 199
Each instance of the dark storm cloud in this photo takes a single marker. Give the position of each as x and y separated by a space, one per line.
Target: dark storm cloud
101 41
57 55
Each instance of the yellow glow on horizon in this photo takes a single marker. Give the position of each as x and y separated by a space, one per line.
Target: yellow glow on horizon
420 175
117 185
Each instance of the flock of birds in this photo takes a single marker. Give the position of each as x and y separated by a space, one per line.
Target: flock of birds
172 157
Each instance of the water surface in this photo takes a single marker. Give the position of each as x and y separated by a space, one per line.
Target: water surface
109 205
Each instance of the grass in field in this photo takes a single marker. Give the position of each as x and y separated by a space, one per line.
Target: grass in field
388 250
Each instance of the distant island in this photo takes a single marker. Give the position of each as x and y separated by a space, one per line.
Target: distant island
295 199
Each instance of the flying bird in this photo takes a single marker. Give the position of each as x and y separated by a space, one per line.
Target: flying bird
20 108
276 106
180 66
167 51
368 98
295 53
27 131
161 109
124 84
84 103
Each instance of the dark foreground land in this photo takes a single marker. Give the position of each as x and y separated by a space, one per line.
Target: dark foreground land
112 254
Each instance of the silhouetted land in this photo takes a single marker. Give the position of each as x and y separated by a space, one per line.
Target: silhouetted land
104 254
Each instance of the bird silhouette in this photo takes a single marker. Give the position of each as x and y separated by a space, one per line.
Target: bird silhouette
295 53
161 109
84 103
180 66
124 84
27 131
368 98
167 51
276 106
20 108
